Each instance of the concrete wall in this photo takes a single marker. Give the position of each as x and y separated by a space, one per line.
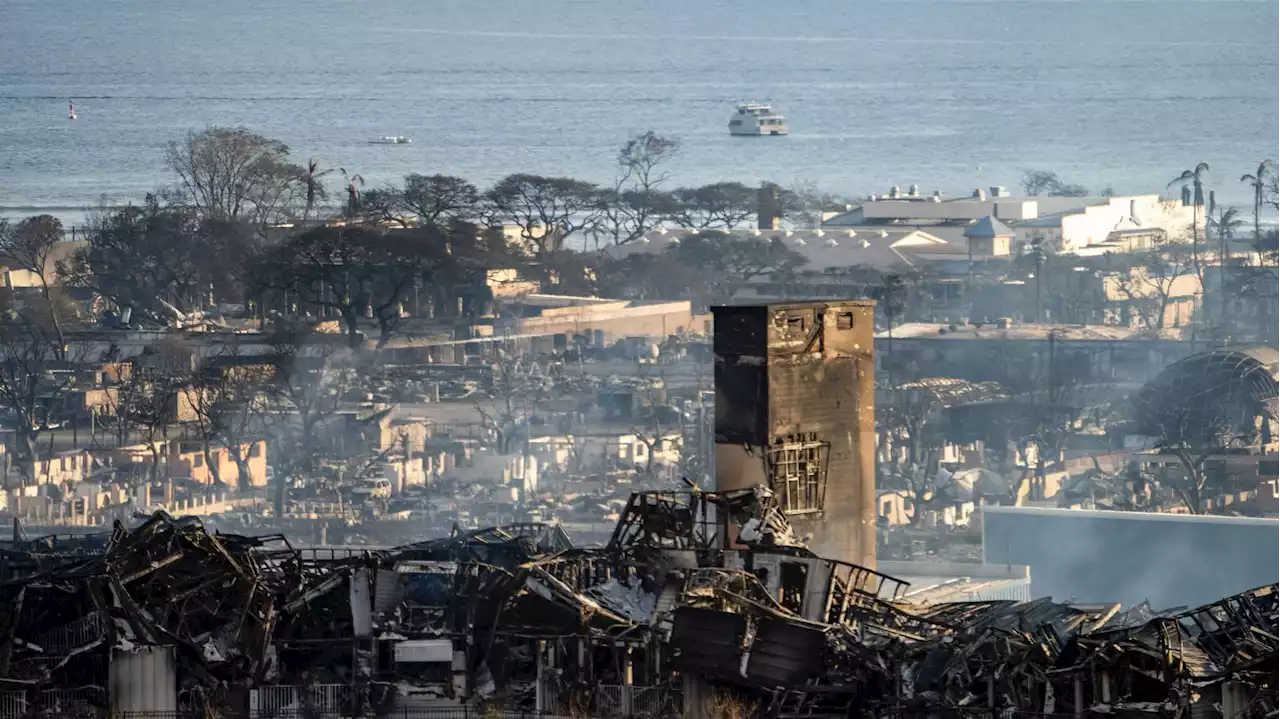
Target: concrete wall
615 320
985 247
1137 286
892 506
61 252
191 463
788 370
401 434
992 357
64 468
1102 556
1005 208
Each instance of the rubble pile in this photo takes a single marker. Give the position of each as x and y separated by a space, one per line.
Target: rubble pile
227 605
699 601
709 595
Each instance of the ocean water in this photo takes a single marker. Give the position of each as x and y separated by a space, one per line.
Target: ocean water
949 94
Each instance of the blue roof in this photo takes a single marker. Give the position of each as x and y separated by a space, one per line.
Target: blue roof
988 227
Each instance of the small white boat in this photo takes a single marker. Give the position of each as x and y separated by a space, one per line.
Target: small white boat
397 140
756 119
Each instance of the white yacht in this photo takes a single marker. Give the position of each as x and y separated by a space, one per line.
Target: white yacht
397 140
755 118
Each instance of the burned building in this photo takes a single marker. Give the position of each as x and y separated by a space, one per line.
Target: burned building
795 411
701 605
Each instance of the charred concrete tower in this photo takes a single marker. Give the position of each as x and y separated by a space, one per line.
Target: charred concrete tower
795 406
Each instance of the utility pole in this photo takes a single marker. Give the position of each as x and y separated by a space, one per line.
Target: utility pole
1038 255
894 286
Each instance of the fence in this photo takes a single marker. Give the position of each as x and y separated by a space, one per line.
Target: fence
632 701
13 711
84 702
315 700
646 702
320 701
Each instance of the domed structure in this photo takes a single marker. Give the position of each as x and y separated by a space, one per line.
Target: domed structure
1218 398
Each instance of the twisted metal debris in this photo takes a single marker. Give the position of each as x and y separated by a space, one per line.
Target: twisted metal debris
700 598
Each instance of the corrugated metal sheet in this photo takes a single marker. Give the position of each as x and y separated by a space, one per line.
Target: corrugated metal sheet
709 642
784 655
933 590
387 590
143 680
1018 590
424 651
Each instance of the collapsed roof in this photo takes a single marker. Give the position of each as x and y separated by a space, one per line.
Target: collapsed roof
694 589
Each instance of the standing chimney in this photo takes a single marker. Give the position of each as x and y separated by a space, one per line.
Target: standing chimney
768 207
795 411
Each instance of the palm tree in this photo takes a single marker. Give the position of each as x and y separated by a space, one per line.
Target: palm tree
1258 180
354 183
315 188
1225 224
1194 178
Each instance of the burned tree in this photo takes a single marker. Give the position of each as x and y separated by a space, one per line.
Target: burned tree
1042 182
718 206
30 245
230 401
310 377
547 210
440 199
513 399
636 203
728 261
656 276
148 398
424 200
1208 405
804 204
922 417
657 431
356 272
1161 277
230 173
158 257
35 374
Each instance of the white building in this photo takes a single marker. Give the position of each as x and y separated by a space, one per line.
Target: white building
1068 224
